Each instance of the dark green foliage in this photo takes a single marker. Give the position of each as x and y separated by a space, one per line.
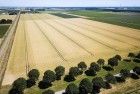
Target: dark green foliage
138 55
107 68
134 76
30 83
132 55
98 81
9 21
20 84
113 62
95 67
118 57
96 89
59 71
69 78
125 73
90 72
72 89
82 65
85 86
15 91
107 85
101 62
3 29
48 92
137 70
74 71
83 90
136 60
5 21
44 85
127 60
120 79
33 74
80 72
110 78
49 76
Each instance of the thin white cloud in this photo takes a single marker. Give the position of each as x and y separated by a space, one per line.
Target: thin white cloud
68 3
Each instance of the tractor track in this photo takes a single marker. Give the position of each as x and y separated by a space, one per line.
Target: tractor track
102 43
138 39
104 35
26 50
58 52
57 30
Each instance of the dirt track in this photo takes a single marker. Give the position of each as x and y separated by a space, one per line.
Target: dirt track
44 41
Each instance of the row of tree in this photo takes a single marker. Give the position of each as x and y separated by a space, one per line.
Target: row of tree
50 76
133 57
5 21
88 87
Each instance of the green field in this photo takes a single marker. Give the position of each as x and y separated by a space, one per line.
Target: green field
3 29
60 85
131 20
64 15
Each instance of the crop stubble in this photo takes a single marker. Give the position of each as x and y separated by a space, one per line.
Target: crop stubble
44 41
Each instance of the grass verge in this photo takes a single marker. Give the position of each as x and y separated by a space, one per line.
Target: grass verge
3 29
64 15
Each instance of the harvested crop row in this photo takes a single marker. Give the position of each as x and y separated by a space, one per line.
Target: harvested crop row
129 32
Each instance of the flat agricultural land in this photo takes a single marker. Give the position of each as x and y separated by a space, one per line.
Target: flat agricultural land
44 41
118 18
5 16
64 15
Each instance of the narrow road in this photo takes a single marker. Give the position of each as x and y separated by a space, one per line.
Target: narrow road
6 46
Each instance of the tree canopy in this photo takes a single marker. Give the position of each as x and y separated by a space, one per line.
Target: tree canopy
72 89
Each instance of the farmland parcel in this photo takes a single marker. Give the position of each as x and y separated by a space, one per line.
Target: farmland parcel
44 41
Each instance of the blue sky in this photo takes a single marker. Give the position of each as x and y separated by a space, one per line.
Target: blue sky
70 3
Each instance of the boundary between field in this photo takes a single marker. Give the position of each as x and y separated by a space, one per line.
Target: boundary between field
6 46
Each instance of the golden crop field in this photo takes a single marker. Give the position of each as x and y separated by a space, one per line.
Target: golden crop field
5 16
44 41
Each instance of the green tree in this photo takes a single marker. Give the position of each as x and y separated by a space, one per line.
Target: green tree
138 55
90 72
19 84
131 55
33 74
95 66
49 76
137 70
30 83
98 81
125 73
74 71
110 78
59 71
113 62
101 62
82 65
118 57
85 86
69 78
72 89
